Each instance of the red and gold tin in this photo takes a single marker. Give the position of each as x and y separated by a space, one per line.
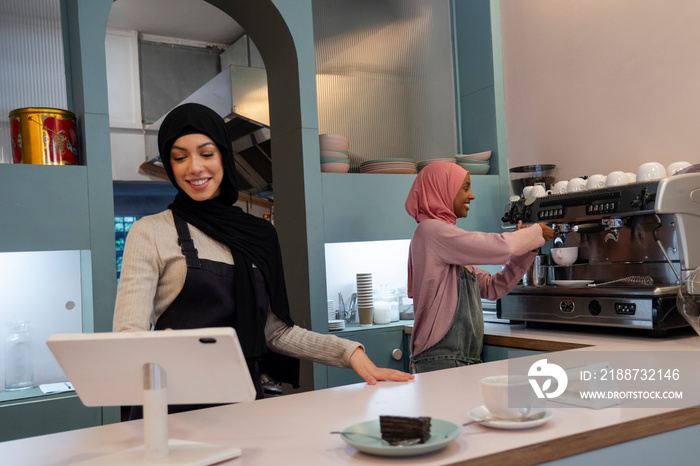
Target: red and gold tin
43 136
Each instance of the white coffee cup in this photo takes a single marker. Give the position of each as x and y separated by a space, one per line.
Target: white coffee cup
576 184
595 181
527 190
538 191
616 178
632 177
675 167
651 171
507 396
560 187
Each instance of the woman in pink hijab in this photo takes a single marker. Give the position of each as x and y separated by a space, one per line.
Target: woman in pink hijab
443 279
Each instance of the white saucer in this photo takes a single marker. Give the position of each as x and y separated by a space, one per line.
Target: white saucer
479 413
574 283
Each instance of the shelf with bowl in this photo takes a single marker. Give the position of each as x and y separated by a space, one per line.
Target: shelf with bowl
476 164
400 166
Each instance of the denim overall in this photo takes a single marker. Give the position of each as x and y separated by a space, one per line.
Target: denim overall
207 299
463 342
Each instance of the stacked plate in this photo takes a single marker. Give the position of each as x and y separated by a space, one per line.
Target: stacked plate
401 166
365 298
334 153
331 310
476 164
424 163
336 324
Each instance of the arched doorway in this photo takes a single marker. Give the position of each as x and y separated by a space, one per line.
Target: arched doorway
284 36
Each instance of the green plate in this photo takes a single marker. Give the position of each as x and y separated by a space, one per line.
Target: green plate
441 433
476 170
367 162
476 162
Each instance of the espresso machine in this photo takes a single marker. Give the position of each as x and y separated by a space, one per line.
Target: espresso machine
649 229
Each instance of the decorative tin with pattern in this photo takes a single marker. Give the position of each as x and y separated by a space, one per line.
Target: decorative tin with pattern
43 136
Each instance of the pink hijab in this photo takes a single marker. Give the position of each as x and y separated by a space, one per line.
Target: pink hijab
433 192
432 196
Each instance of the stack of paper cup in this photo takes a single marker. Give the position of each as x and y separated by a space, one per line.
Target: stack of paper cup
331 310
365 299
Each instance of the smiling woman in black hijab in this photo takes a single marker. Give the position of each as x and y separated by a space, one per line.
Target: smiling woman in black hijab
205 262
252 240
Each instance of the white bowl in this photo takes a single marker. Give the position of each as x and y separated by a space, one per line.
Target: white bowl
651 171
335 167
564 256
478 156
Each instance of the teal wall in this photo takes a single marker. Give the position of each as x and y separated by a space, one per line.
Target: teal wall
480 111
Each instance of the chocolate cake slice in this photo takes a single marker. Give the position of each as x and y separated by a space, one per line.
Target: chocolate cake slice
397 428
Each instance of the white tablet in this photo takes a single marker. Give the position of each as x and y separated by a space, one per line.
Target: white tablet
201 365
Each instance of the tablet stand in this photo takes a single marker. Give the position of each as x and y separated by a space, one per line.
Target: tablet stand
157 448
119 369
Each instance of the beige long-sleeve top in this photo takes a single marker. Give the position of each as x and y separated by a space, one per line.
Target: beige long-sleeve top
154 271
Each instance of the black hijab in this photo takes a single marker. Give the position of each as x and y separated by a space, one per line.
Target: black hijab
252 240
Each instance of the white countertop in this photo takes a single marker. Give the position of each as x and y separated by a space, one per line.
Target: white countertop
294 429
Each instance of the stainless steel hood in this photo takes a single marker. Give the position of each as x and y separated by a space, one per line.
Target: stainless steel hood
239 95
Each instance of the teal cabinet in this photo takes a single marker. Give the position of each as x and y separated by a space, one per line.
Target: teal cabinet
498 353
47 414
50 208
384 346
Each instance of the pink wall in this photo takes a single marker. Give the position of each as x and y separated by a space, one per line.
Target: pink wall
599 85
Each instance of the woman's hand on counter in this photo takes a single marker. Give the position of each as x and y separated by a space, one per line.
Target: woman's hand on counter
366 369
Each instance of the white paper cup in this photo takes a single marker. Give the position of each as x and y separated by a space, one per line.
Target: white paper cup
507 396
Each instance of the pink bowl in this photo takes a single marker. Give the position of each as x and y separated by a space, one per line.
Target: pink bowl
335 167
333 141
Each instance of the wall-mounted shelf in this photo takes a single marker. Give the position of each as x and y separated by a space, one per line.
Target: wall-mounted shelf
44 207
370 207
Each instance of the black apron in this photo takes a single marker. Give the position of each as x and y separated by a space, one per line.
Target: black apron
207 299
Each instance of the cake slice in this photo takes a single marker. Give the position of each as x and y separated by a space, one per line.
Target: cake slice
397 428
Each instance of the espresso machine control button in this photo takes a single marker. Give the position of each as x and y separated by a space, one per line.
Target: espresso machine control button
566 306
625 308
594 307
